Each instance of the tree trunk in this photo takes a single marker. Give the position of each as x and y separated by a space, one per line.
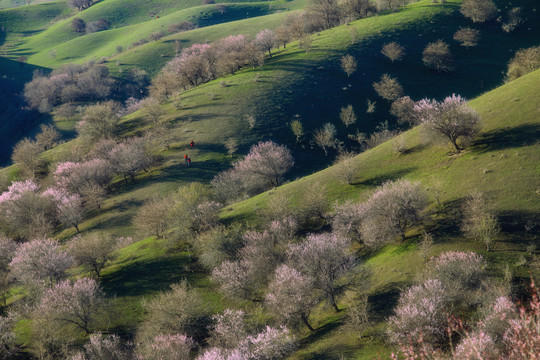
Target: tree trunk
454 142
306 322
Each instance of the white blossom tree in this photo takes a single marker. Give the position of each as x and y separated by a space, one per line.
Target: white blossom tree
452 118
327 260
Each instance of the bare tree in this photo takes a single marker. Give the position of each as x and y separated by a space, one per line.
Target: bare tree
393 51
305 43
156 35
479 222
479 10
93 251
47 137
388 88
78 25
326 11
437 56
347 115
231 144
467 37
99 121
403 109
348 64
180 310
81 4
153 217
357 9
325 137
283 36
131 156
452 118
26 153
523 62
153 110
345 168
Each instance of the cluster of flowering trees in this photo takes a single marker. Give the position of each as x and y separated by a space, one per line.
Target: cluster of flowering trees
67 84
203 62
261 169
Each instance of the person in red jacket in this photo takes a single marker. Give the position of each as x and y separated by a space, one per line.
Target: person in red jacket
192 144
188 161
185 158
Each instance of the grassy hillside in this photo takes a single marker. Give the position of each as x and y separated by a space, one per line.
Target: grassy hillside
502 162
128 23
5 4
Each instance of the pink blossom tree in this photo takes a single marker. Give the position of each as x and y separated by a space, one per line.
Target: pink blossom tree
70 210
270 344
266 39
24 212
421 312
40 263
99 347
452 118
462 274
8 341
7 251
129 157
77 303
326 259
169 346
229 329
291 295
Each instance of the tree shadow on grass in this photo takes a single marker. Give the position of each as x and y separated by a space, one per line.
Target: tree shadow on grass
321 332
146 277
381 179
501 139
384 301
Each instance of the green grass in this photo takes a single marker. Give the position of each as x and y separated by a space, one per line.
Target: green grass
508 148
129 23
503 162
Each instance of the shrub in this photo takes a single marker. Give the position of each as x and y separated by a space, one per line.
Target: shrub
437 56
479 222
403 110
178 311
348 64
523 62
467 37
93 251
479 10
388 88
393 51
